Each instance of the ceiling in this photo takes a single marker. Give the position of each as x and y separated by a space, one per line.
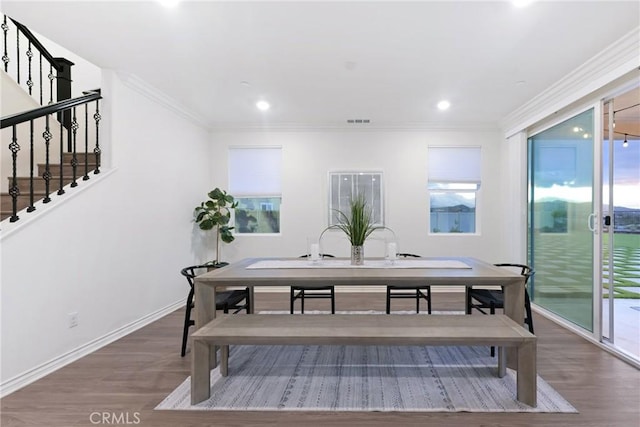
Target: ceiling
324 63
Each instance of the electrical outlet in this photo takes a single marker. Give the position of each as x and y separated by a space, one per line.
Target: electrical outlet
73 319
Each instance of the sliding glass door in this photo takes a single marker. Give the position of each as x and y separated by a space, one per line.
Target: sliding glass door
621 234
561 206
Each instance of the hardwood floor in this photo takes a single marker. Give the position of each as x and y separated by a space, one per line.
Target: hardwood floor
122 383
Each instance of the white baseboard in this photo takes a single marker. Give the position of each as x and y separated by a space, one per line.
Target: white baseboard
52 365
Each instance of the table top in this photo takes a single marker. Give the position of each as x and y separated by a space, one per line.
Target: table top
474 272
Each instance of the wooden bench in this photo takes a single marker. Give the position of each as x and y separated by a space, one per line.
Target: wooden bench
369 329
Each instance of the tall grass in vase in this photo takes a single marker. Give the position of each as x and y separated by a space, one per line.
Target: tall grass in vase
357 225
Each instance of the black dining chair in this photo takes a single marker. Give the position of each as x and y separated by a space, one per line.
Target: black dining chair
492 299
313 292
412 292
236 300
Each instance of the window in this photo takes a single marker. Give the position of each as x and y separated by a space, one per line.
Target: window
453 185
344 185
255 180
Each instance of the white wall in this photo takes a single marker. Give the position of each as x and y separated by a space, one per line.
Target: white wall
513 187
401 156
112 252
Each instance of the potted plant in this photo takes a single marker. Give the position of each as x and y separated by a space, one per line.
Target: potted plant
358 225
216 213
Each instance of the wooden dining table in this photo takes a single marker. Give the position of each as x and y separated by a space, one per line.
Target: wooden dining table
433 271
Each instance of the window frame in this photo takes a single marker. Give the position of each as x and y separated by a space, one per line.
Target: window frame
343 173
255 195
455 186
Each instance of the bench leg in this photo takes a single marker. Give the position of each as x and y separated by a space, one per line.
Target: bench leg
527 374
224 360
213 357
200 381
502 361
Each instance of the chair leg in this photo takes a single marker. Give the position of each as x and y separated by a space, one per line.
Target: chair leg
492 310
388 300
291 300
429 300
248 300
527 307
187 323
302 301
468 298
417 301
333 301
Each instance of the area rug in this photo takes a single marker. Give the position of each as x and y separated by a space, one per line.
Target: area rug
364 378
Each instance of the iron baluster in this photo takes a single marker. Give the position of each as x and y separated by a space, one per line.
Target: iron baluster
29 56
74 158
5 56
97 150
51 77
47 173
18 55
86 143
41 88
14 191
60 187
31 208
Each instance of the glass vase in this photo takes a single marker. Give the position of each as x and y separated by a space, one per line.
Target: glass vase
357 255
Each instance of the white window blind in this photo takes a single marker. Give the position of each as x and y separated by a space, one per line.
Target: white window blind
255 171
454 164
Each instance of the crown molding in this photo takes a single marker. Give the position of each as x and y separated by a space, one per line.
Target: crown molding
370 127
614 62
150 92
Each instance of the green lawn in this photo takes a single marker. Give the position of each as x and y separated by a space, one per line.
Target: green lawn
626 265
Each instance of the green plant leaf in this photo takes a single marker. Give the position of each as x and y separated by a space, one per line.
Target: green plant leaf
215 213
217 194
358 225
206 224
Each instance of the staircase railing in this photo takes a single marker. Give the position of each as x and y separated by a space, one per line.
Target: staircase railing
59 73
67 170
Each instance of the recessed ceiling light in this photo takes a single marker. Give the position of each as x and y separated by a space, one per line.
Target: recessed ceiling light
521 3
444 105
263 105
169 3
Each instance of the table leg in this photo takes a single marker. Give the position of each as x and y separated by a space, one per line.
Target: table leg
205 303
224 360
205 308
502 365
200 380
514 308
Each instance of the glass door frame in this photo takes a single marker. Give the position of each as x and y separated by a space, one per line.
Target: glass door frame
607 336
595 219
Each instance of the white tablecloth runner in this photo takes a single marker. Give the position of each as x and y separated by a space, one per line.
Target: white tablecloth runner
345 263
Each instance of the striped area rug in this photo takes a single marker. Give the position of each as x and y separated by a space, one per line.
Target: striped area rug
364 378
